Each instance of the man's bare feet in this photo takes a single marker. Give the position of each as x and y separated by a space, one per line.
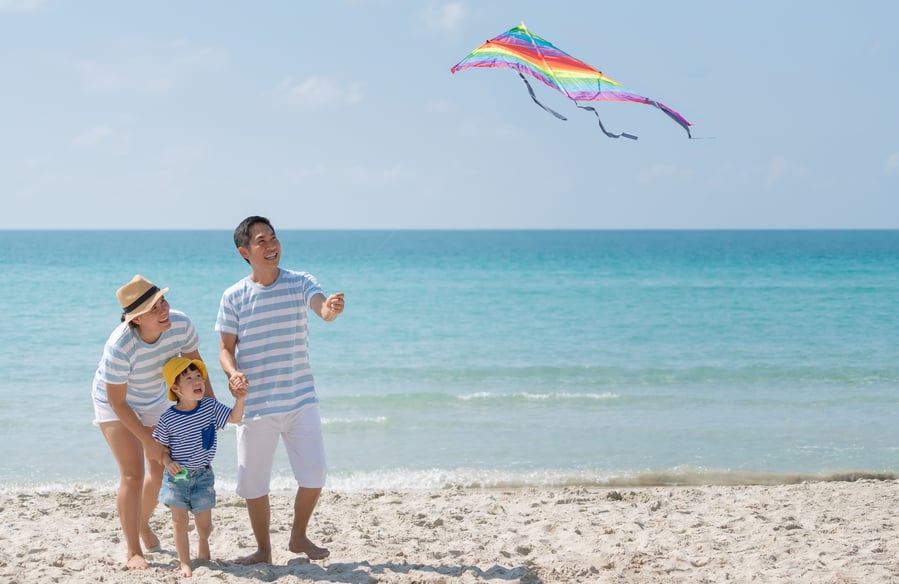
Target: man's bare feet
310 549
149 539
257 557
137 562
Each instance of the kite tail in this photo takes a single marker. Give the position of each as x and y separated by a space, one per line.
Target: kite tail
674 116
534 97
603 128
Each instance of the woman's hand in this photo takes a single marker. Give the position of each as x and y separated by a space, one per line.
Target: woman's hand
153 450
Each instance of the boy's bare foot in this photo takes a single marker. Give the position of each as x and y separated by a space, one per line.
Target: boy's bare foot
137 562
257 557
186 572
310 549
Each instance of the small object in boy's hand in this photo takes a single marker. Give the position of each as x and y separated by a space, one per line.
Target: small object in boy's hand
181 476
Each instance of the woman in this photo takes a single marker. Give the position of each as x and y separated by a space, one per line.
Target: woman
130 394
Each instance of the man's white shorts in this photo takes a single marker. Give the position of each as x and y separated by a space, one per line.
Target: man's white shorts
257 440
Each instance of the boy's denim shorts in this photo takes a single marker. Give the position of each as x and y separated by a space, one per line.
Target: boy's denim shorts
196 493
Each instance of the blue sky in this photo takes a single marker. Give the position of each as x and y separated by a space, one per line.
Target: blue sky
344 115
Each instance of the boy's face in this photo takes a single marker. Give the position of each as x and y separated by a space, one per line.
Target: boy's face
190 386
264 249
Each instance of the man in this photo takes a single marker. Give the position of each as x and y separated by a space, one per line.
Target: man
264 348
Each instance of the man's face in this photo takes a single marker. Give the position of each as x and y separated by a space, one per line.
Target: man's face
264 249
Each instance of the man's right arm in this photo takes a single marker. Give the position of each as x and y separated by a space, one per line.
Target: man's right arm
237 381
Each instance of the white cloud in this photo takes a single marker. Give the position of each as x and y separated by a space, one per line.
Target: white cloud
184 154
440 106
94 137
665 173
20 5
316 92
149 70
891 164
777 168
390 174
446 16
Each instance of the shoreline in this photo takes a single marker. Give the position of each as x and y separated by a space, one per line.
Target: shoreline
835 531
474 479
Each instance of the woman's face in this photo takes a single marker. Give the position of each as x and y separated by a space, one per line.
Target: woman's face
156 321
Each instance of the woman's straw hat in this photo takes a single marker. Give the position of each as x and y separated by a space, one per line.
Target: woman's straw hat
138 296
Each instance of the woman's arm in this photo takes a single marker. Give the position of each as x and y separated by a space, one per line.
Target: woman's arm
116 394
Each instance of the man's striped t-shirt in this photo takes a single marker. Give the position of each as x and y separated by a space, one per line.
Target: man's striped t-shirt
271 324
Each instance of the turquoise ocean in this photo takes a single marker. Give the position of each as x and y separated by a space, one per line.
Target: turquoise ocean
499 358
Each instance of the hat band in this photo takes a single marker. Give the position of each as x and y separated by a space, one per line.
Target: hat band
144 297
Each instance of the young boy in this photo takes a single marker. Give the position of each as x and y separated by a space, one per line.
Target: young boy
188 428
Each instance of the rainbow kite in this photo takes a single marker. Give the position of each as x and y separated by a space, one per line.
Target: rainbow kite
526 52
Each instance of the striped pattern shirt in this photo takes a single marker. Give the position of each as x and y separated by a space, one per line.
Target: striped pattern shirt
191 436
271 324
127 359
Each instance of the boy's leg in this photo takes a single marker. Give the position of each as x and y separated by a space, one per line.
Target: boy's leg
203 521
180 521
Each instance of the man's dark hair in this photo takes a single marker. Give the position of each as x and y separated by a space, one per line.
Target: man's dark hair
242 233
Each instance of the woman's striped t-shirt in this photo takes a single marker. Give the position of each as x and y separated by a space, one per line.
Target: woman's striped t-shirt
127 359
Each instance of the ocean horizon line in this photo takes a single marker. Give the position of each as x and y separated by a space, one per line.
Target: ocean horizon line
463 229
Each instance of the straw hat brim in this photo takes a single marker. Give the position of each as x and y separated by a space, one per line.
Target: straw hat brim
146 306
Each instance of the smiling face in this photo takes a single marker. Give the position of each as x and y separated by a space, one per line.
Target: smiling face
189 387
263 251
154 322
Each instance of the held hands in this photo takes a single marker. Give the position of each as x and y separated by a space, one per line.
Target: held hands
238 384
155 451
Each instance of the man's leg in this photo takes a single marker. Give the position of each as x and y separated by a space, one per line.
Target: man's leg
260 520
303 506
256 444
306 451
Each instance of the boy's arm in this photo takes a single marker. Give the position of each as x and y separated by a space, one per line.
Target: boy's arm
237 411
172 466
327 308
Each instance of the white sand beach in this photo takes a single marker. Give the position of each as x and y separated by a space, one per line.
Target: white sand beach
828 532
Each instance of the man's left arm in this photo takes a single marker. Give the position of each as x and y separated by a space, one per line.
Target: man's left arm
327 308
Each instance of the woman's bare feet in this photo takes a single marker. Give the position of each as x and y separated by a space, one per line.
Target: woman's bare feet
257 557
310 549
137 562
186 571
